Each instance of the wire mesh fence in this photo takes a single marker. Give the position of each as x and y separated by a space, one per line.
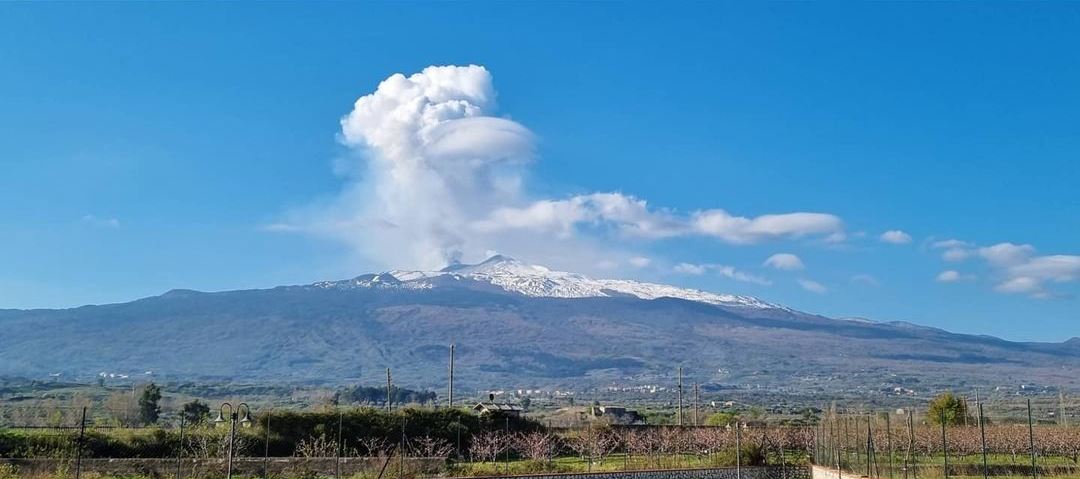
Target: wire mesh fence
76 442
1000 439
1015 439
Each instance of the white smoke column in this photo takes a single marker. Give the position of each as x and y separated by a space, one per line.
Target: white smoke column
441 181
436 159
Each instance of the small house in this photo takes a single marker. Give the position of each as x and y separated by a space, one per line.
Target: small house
486 408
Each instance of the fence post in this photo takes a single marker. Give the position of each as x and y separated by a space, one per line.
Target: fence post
837 445
738 451
79 445
869 445
266 448
911 444
888 435
337 456
944 444
982 433
1031 442
783 462
180 447
401 450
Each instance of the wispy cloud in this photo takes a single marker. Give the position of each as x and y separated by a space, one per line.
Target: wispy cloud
865 279
722 270
812 286
100 222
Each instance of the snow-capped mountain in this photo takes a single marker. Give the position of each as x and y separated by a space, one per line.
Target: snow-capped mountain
515 325
538 281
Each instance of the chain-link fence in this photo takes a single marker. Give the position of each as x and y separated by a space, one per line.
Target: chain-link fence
970 439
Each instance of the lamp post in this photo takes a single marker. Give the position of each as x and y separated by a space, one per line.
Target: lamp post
234 415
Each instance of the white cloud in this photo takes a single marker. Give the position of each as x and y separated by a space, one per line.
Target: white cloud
955 250
639 262
949 276
954 255
96 221
812 286
633 217
722 270
1017 267
895 237
1005 254
740 230
1019 284
950 243
836 238
785 261
1022 272
687 268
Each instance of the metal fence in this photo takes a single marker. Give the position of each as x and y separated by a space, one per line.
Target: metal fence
76 442
991 440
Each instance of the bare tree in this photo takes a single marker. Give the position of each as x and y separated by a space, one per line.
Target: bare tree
373 446
316 446
537 446
431 447
487 445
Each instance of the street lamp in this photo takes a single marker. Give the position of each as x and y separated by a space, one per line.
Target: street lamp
234 415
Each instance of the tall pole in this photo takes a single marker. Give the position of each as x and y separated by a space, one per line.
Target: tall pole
869 447
911 443
266 449
180 450
982 433
389 398
79 447
450 392
738 450
337 455
1031 442
837 445
697 403
888 436
680 396
944 444
1061 406
232 441
401 450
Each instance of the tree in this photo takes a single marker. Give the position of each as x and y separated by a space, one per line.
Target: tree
195 412
719 419
948 407
537 446
149 410
525 403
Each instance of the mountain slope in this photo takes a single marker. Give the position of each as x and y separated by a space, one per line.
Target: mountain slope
516 325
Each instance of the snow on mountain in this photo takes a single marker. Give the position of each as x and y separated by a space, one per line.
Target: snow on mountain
537 281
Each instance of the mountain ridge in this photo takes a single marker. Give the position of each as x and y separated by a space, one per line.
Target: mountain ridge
516 325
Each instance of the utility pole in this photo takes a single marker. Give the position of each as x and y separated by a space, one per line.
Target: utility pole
450 392
1061 406
697 403
978 403
389 398
680 397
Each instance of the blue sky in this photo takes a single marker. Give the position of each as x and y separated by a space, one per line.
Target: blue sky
145 147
